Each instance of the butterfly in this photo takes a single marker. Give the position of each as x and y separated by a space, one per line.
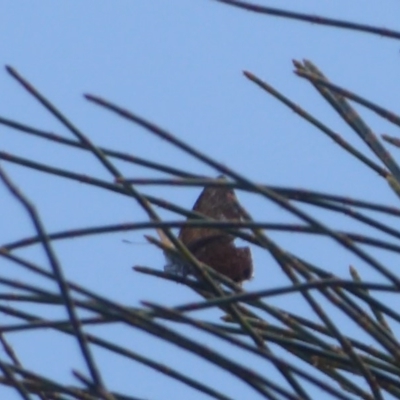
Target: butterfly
213 246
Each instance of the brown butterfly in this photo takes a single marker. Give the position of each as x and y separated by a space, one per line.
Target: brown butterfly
213 246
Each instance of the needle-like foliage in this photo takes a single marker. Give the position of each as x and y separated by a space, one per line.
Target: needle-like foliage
310 351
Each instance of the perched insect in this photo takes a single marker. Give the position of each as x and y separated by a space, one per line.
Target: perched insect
213 246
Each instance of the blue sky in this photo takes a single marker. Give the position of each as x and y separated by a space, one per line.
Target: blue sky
179 64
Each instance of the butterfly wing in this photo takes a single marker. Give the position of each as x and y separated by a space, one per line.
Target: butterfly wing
219 203
215 247
220 253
